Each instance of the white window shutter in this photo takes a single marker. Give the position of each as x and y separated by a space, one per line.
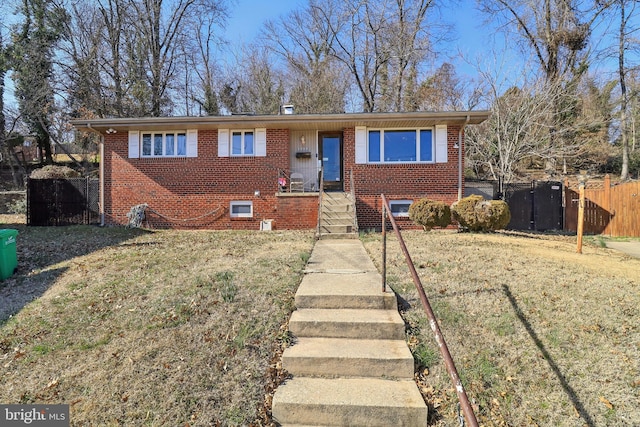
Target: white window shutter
441 144
134 144
223 142
261 142
361 144
192 142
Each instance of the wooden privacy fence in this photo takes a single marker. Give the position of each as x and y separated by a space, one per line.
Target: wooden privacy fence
611 210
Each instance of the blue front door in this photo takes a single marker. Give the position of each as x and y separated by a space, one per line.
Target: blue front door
331 156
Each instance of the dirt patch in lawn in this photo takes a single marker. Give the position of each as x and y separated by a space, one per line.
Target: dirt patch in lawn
540 335
149 328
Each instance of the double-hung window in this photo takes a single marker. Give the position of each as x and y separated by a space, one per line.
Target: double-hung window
164 144
242 143
400 146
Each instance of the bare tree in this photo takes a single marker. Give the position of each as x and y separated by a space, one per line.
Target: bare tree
557 33
443 90
381 43
204 66
315 80
254 85
517 131
139 57
624 44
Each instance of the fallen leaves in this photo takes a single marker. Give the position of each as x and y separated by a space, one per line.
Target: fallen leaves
606 402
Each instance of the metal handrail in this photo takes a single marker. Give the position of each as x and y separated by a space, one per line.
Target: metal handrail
467 410
321 189
353 199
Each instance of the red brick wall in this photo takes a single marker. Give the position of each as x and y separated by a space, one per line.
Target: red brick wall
438 181
202 187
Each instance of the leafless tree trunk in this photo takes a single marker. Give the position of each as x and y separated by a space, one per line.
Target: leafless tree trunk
557 32
380 43
516 132
623 42
315 80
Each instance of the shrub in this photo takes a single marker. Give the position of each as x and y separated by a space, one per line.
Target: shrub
476 214
17 206
430 213
54 172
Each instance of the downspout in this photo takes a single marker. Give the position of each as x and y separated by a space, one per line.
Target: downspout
461 155
101 169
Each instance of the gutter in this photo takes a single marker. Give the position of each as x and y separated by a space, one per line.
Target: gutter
101 170
460 155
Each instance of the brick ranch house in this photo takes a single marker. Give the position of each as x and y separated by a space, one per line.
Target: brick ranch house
250 171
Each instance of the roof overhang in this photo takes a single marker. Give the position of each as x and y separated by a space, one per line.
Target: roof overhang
321 122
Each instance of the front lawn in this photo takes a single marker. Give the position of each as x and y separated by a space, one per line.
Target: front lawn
541 336
132 327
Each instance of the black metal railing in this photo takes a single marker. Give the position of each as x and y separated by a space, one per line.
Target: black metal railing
467 410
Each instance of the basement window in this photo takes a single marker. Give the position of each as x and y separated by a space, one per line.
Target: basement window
400 208
241 209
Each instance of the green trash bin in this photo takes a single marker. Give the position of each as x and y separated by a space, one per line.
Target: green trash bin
8 255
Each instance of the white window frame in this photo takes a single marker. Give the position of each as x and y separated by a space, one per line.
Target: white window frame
393 203
164 134
242 133
417 132
237 203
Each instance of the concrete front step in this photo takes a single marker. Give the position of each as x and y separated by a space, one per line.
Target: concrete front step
348 289
336 228
338 216
339 236
347 323
349 402
342 357
337 208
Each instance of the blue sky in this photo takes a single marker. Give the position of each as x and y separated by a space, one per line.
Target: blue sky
471 37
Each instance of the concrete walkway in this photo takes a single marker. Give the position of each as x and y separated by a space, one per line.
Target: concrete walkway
350 363
630 248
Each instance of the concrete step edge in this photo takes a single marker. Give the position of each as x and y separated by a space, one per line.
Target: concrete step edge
341 401
344 357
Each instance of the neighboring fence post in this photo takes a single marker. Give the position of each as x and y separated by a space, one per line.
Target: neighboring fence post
582 181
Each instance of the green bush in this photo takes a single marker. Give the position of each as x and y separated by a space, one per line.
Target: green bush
430 213
17 206
476 214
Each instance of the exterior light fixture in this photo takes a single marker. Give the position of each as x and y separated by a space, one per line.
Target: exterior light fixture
110 131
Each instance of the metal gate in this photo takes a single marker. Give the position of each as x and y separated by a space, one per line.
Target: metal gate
535 206
54 202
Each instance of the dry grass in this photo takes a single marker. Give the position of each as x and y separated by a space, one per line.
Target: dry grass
540 335
180 328
148 328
